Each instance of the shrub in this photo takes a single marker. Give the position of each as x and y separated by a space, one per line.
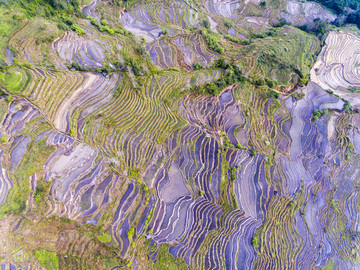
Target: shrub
105 238
231 38
8 98
246 42
212 41
131 233
228 24
77 66
347 105
134 173
259 81
4 139
270 83
270 32
281 23
273 94
120 31
255 242
106 28
354 17
317 114
197 66
135 65
206 23
303 81
221 63
94 21
67 20
232 75
77 29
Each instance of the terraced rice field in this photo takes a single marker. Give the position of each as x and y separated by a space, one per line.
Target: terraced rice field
115 152
337 67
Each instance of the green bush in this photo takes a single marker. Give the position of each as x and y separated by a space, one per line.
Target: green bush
246 42
136 66
77 29
47 259
347 105
105 238
197 66
270 83
94 21
76 66
8 98
212 41
221 63
72 132
4 139
255 242
228 24
231 38
330 91
206 23
317 114
303 81
106 28
131 233
232 75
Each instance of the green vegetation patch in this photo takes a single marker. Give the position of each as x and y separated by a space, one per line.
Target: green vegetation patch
105 238
47 259
33 162
212 41
10 80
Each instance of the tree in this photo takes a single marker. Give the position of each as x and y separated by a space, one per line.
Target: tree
197 66
228 24
206 23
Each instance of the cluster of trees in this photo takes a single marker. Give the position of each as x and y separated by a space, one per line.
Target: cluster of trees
228 24
73 25
340 5
197 66
252 36
317 114
319 28
354 17
77 29
232 75
136 66
48 8
103 27
212 41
